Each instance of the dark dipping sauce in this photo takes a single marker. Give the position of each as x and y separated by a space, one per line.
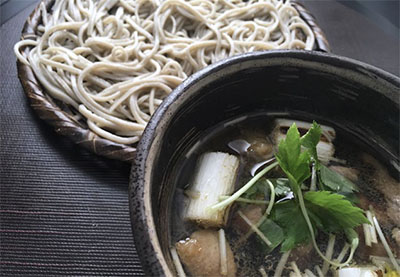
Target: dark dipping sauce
249 138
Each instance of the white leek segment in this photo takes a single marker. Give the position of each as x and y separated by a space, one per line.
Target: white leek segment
358 272
263 272
309 273
319 271
369 230
343 253
328 253
281 264
222 252
377 260
373 236
385 243
295 269
177 262
215 176
237 194
367 234
255 228
325 147
384 263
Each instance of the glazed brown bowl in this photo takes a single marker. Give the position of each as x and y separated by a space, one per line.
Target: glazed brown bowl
357 98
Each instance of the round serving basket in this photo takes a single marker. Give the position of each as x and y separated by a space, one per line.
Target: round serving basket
63 118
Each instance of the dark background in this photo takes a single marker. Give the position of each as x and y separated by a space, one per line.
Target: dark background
63 210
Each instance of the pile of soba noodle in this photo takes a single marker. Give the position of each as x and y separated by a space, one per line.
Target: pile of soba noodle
115 61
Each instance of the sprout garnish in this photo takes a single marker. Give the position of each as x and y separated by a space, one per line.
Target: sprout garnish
236 195
322 208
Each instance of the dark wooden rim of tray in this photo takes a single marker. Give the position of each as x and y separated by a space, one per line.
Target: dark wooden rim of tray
60 116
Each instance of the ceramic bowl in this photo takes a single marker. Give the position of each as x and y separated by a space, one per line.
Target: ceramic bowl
358 98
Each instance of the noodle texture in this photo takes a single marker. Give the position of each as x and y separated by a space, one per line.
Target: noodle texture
115 61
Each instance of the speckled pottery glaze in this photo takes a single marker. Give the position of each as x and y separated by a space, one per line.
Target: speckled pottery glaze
361 99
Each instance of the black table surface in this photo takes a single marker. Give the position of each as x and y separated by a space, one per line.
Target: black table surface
64 211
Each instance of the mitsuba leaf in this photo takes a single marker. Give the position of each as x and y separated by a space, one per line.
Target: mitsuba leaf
260 190
351 197
311 139
303 167
335 181
290 147
328 211
333 211
281 185
289 217
273 232
352 237
293 162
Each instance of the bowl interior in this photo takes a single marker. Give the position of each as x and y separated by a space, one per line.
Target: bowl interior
360 100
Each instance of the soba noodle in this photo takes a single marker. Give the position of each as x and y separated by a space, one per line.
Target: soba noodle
115 61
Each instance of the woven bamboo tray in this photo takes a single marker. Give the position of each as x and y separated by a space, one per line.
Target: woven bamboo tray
61 116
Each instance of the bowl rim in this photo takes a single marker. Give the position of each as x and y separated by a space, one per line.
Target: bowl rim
143 227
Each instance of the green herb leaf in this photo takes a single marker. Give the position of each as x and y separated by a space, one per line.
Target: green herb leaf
273 232
282 186
336 181
293 162
351 197
303 167
311 139
289 217
329 212
260 190
334 212
352 237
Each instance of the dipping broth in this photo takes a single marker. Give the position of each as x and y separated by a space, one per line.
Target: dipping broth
250 144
